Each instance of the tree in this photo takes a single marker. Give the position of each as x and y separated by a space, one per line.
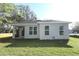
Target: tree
11 13
6 10
76 27
25 13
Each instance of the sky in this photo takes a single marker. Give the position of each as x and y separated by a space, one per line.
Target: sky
57 11
64 10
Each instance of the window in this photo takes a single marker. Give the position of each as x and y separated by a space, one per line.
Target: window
61 30
30 30
33 30
46 30
61 27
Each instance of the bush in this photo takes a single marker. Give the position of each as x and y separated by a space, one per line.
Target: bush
76 36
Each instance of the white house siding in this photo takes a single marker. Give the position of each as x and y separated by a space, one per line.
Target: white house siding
42 31
53 31
27 30
66 31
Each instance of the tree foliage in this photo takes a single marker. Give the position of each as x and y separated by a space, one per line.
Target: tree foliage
10 13
6 10
24 13
76 27
7 7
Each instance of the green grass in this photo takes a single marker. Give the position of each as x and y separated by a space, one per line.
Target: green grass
39 48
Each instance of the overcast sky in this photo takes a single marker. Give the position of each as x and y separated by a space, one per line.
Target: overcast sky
66 10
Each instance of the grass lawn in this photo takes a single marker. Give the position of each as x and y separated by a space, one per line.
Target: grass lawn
40 48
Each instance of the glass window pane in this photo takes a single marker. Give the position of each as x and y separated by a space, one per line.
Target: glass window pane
61 27
61 32
30 32
35 28
35 32
30 28
46 32
46 27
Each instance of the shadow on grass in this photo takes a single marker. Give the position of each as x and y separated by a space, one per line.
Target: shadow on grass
6 39
37 43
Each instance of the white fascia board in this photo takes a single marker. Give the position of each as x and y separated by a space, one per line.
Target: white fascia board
18 24
54 22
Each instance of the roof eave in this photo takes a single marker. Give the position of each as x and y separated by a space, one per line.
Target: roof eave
54 22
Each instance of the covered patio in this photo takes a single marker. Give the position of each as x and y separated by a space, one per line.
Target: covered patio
18 31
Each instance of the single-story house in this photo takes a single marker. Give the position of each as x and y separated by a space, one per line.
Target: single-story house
41 29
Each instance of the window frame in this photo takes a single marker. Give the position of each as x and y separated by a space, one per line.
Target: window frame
33 30
61 30
47 30
30 31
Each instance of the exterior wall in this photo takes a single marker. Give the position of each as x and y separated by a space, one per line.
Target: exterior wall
53 31
27 30
66 31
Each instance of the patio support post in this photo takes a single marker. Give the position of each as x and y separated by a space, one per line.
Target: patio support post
13 32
